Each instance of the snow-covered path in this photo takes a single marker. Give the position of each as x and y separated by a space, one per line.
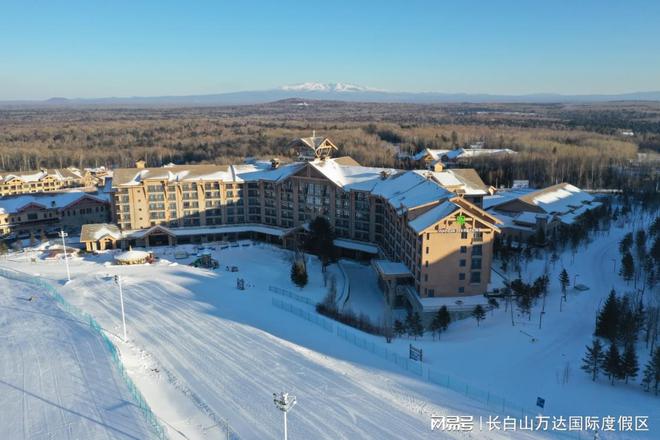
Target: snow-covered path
56 376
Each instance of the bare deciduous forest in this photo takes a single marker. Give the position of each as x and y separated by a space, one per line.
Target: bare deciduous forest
581 144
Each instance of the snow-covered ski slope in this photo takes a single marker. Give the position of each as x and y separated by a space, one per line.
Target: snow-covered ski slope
228 351
56 377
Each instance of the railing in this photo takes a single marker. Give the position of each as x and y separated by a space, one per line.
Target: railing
490 400
141 403
289 294
312 317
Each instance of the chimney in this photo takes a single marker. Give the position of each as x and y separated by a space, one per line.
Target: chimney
384 175
140 163
274 163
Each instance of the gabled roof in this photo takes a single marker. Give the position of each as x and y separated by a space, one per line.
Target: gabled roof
49 200
316 142
97 231
176 173
559 198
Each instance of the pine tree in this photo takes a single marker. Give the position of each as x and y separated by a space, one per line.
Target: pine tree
607 321
593 360
445 318
629 363
653 367
612 363
626 243
414 325
440 321
478 313
399 328
627 266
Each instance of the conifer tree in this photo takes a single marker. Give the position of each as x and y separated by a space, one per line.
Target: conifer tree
593 360
478 313
651 375
440 321
612 364
607 321
627 266
629 363
414 325
399 328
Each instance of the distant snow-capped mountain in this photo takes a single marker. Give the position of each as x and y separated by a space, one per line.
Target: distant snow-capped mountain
327 87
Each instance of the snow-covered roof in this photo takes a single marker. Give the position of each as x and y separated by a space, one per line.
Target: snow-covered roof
560 198
465 153
504 196
435 154
177 173
432 216
351 177
49 200
355 245
530 218
261 170
410 189
391 268
60 174
96 231
570 217
188 231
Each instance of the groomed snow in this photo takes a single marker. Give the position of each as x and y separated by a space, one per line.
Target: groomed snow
227 351
56 376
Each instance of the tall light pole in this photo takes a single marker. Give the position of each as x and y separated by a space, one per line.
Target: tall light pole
284 402
575 279
121 300
66 258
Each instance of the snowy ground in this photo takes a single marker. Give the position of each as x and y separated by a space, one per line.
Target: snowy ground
203 351
56 376
501 358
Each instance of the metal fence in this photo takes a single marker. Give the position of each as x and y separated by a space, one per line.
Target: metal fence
313 317
139 400
292 295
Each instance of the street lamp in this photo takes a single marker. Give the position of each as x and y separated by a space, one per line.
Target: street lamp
284 402
121 300
575 279
614 264
66 258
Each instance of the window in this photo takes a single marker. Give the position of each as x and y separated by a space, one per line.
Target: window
461 290
464 235
478 236
426 277
431 292
461 276
461 263
475 277
463 249
475 263
427 249
477 250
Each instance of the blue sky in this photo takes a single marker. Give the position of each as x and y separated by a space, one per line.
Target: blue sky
147 48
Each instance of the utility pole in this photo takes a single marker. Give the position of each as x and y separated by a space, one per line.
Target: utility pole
284 402
121 300
66 258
